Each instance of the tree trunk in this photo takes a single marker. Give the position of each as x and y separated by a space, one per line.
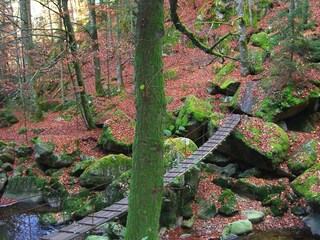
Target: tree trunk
95 47
72 44
244 66
146 184
27 46
120 82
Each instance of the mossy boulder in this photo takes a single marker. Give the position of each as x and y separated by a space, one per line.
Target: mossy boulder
307 185
257 188
236 228
119 188
192 114
44 154
229 204
6 156
80 167
176 150
258 143
277 206
303 158
74 202
26 189
207 210
193 111
256 58
222 83
253 215
181 192
3 179
23 151
274 99
261 40
97 237
114 230
114 142
7 118
103 171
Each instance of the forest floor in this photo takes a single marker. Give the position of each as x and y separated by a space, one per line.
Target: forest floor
192 72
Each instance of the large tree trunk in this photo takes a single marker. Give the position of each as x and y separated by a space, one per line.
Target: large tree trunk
95 47
244 66
146 184
72 44
27 46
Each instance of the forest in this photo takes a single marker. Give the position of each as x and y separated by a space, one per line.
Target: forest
200 117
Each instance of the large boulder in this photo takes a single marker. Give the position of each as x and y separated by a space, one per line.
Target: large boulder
258 143
236 228
274 99
256 58
26 189
116 142
43 154
257 188
229 204
192 114
222 83
308 186
303 158
103 171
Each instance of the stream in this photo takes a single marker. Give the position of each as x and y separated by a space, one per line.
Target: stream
15 224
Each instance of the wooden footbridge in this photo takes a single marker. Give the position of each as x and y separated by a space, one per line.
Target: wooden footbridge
120 208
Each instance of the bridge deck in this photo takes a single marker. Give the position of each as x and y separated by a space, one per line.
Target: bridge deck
120 208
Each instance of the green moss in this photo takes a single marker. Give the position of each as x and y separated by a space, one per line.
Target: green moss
277 206
193 109
227 83
303 158
307 185
224 71
229 205
80 167
260 40
247 187
256 57
105 170
74 202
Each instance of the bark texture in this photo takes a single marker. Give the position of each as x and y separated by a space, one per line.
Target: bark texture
146 184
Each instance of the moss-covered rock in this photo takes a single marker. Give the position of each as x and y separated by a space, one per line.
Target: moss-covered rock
207 210
253 215
176 150
304 158
23 151
119 188
26 189
74 202
236 228
114 230
260 40
307 185
256 58
97 237
7 118
111 141
274 99
229 204
258 189
260 144
80 167
103 171
194 110
277 206
3 179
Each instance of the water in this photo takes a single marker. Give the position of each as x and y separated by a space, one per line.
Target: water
22 226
